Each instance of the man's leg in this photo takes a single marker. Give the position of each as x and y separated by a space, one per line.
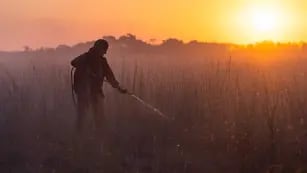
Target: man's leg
99 128
99 117
82 108
80 140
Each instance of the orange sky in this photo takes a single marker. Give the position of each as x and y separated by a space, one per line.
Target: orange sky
51 22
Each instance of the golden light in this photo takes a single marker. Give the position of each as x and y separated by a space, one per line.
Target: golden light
265 20
259 22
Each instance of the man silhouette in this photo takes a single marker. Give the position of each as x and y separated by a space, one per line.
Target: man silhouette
91 70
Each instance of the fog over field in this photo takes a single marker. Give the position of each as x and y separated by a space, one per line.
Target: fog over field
231 108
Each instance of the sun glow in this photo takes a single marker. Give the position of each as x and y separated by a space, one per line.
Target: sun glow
264 22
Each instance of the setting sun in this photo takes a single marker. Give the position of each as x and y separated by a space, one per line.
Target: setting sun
258 22
265 20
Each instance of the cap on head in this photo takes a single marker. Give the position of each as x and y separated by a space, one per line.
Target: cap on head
101 44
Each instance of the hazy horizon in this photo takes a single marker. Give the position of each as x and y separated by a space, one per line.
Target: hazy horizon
152 42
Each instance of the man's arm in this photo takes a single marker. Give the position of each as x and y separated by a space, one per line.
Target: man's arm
109 74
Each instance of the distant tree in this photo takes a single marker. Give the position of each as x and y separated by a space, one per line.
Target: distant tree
109 38
194 42
63 47
153 41
127 37
172 42
27 48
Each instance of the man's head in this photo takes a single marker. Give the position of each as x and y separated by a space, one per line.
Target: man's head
101 46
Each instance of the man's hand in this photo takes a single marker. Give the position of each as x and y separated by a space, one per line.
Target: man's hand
122 90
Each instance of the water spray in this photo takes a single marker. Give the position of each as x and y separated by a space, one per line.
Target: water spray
149 106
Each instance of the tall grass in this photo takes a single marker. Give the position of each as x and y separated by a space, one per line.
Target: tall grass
229 116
